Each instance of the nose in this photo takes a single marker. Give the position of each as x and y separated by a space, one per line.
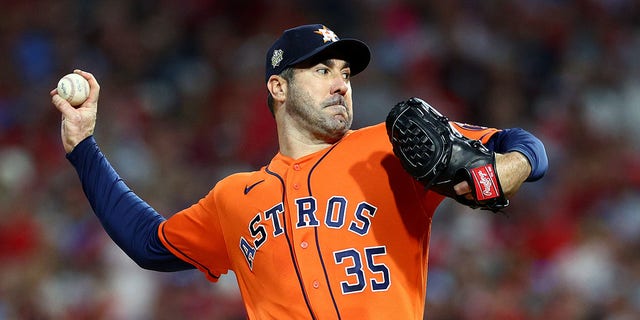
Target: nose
340 85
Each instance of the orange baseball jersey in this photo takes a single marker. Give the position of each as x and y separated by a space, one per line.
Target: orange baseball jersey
342 233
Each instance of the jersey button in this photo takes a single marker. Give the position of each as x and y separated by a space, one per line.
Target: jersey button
316 284
304 244
296 167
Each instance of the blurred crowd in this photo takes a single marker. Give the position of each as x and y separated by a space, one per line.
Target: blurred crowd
183 104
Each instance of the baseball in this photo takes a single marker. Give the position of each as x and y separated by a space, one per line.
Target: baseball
73 88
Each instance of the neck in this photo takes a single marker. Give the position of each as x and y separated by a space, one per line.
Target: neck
296 147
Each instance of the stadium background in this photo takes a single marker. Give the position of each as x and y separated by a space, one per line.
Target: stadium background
183 104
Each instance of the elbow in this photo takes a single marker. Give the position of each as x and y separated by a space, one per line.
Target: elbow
166 262
538 159
144 263
540 170
142 259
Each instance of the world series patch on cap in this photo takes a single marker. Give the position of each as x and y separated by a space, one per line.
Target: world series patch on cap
305 42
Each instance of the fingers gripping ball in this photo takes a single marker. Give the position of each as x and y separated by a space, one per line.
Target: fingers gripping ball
73 88
437 155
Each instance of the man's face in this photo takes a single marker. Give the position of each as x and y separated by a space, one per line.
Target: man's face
319 99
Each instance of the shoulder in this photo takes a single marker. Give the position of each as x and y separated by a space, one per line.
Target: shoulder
239 179
366 140
374 133
233 188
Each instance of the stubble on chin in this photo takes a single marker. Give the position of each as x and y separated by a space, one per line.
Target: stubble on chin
335 128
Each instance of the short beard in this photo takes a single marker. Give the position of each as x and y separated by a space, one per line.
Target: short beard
300 107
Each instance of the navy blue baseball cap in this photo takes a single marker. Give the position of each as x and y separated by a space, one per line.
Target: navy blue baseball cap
302 43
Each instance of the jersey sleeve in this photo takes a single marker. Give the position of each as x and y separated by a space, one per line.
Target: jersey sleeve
196 236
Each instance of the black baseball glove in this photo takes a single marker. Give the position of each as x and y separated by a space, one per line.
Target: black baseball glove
439 156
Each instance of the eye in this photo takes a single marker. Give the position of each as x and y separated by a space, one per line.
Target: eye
322 70
346 74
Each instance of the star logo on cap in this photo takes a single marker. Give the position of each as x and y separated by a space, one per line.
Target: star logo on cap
327 34
276 58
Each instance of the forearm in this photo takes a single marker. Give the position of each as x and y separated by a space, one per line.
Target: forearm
129 221
513 169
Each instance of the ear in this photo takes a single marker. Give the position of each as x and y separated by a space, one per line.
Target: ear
277 86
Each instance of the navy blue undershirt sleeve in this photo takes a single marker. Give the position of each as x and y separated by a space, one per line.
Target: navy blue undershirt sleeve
129 221
517 139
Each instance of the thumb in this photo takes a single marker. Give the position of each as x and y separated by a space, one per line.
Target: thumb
462 188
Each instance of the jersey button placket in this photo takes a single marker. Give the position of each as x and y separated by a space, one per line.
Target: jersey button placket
307 259
296 167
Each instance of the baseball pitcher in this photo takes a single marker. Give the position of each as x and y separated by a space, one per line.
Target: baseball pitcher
336 225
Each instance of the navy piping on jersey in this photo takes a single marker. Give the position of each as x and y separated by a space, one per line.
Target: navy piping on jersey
315 230
193 261
286 234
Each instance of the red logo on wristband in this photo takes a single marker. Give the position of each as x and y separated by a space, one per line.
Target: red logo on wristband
485 182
